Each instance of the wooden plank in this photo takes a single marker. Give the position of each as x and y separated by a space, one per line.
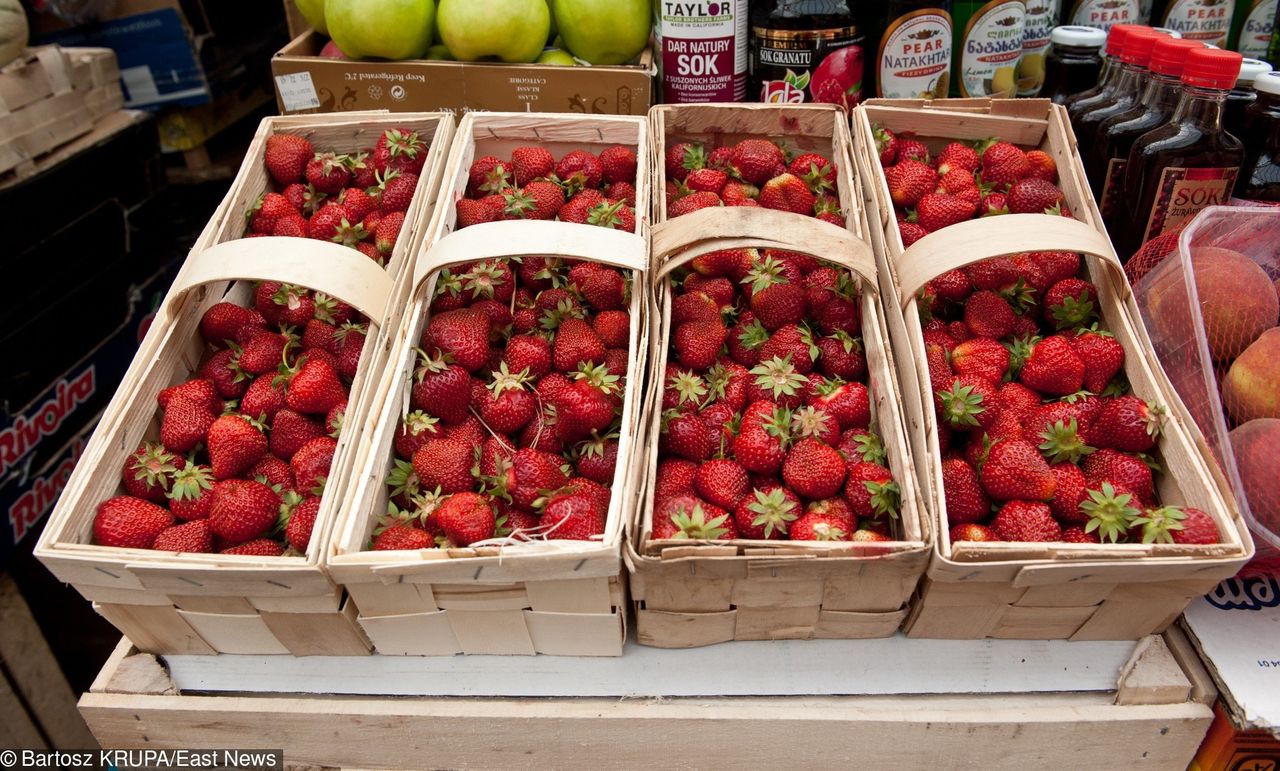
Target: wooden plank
35 672
1152 676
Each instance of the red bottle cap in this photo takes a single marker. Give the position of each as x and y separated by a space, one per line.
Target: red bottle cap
1168 55
1211 68
1116 36
1138 44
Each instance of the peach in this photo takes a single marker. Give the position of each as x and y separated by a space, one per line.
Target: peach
1255 445
1251 388
1237 300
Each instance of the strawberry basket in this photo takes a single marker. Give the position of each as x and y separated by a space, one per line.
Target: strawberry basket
704 572
1122 575
200 475
458 536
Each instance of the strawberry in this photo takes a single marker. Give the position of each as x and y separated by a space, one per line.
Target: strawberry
488 175
1071 302
756 160
1122 470
576 345
597 459
870 491
1033 196
674 477
987 314
1040 165
1175 524
766 513
508 405
397 532
198 390
242 510
1052 368
961 183
841 356
684 517
604 289
911 148
973 532
1102 354
476 212
579 169
529 355
1076 534
271 471
698 343
969 401
721 482
1127 423
1015 470
532 472
613 327
1026 521
934 211
1003 164
327 172
530 163
310 464
815 526
148 471
1069 493
1111 512
462 335
1064 437
958 156
397 191
185 424
1057 266
189 538
993 204
189 496
466 517
444 463
693 202
290 431
315 389
572 515
688 436
618 164
791 344
301 522
682 158
587 405
224 322
694 306
332 222
706 180
775 301
787 192
286 157
859 443
849 404
909 181
966 500
911 232
129 522
760 444
981 357
813 469
258 547
234 445
886 145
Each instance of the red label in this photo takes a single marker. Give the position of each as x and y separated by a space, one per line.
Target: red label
1183 193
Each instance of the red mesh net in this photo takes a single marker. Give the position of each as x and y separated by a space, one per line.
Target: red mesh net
1210 298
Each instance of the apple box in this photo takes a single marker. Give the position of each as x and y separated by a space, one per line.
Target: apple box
307 82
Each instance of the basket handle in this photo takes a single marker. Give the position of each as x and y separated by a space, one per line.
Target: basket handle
326 267
968 242
513 238
678 241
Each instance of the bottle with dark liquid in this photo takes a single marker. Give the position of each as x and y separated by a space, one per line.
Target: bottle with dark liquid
1074 62
913 60
807 51
1188 163
1259 178
1103 14
1117 134
1133 76
1242 96
1208 21
1082 101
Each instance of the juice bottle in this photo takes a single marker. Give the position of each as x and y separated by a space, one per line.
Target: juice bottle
1251 26
1037 26
913 59
1241 96
702 50
1189 163
1259 178
1208 21
1103 14
988 47
807 51
1117 134
1133 76
1083 100
1074 62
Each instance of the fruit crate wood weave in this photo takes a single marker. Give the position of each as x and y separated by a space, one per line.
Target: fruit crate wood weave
556 597
209 603
700 593
1037 590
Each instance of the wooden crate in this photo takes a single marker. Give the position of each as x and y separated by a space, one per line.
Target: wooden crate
1153 714
551 596
1027 590
50 96
690 594
217 603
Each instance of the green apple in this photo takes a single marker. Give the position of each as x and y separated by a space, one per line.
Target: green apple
384 29
551 9
604 31
313 12
440 52
510 30
555 56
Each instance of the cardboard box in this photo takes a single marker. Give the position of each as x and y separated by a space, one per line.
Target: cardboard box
307 83
1229 748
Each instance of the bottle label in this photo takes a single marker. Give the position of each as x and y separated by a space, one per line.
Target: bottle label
1205 20
820 65
992 46
1255 35
1104 13
703 50
1111 184
1037 24
915 55
1183 192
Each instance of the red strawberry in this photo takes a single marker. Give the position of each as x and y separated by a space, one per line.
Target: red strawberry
721 482
398 536
189 497
598 459
1102 354
604 289
129 522
966 500
973 532
507 405
1041 165
685 517
225 321
1069 493
310 464
911 232
612 327
870 490
909 181
531 474
958 156
462 334
576 344
969 401
910 147
1064 435
817 171
1077 534
444 389
1175 524
708 180
580 169
682 158
1003 164
587 405
766 513
1015 470
1033 196
1124 471
1127 423
444 463
787 192
618 164
934 211
886 146
813 469
981 357
242 510
301 523
272 471
815 526
290 431
1026 521
1052 368
397 191
760 444
466 517
259 547
185 424
698 343
387 232
476 212
315 389
987 314
488 175
234 445
756 159
1071 302
674 477
530 163
148 472
572 515
286 157
198 390
188 538
400 149
327 172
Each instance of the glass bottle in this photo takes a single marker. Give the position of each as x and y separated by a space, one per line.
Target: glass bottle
913 59
1074 62
988 47
1037 28
1133 76
807 51
1259 178
1208 21
1242 95
1117 134
1251 26
1103 14
1189 163
701 50
1108 76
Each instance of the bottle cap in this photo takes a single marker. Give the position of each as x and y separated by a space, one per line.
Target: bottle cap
1173 33
1249 70
1116 36
1211 68
1087 37
1168 54
1137 46
1267 83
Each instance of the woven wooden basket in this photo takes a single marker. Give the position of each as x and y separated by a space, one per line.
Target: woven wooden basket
196 603
553 596
1032 590
698 593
